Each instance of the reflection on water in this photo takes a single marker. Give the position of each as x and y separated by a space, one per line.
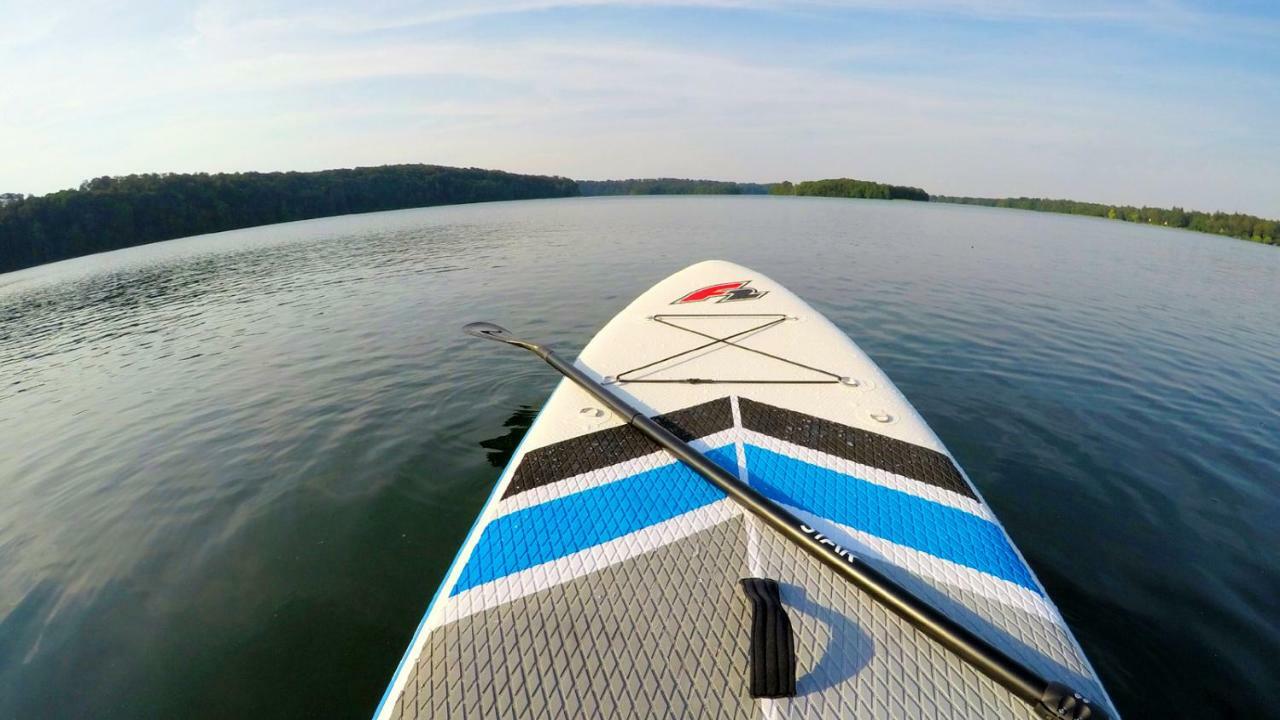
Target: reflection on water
233 468
502 447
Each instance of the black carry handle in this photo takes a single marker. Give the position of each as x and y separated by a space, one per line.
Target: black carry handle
773 648
1051 700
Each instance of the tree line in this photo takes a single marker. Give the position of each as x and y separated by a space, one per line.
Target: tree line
848 188
1237 225
109 213
669 186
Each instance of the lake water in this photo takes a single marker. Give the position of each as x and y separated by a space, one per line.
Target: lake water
233 468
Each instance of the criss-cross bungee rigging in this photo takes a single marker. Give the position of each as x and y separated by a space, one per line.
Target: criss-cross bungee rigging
771 320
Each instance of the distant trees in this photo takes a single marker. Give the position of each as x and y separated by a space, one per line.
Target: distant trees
669 186
108 213
849 188
1237 225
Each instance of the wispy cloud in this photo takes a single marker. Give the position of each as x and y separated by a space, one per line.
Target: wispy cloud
1089 100
224 17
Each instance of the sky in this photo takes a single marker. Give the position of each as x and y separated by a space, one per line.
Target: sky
1161 102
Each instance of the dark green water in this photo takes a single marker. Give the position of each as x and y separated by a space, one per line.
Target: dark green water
233 468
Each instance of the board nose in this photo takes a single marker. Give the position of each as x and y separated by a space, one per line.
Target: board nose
713 267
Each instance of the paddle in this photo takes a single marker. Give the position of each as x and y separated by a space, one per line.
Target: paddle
1049 699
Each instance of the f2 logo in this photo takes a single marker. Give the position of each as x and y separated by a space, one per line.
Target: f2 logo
727 292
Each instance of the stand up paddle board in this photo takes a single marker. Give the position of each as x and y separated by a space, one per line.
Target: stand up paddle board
604 578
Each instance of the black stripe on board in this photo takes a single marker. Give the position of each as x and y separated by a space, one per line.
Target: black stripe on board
603 448
850 443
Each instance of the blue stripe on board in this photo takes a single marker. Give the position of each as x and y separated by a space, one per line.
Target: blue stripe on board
560 527
896 516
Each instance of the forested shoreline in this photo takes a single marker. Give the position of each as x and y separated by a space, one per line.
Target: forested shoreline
849 188
669 186
109 213
1237 225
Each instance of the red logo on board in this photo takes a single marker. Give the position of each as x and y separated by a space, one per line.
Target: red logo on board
727 292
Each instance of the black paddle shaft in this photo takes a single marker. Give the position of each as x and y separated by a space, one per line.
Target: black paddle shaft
1050 699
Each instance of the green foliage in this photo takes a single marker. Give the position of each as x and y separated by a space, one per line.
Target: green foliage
1237 225
109 213
847 188
669 186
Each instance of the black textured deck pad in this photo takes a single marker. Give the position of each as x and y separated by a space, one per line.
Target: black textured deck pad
603 448
860 446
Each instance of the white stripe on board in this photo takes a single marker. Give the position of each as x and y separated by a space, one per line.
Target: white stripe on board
870 474
591 559
753 553
753 525
584 562
921 563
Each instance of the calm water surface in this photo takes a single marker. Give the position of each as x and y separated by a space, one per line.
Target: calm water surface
233 468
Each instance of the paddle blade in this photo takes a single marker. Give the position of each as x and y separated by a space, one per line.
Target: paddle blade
490 331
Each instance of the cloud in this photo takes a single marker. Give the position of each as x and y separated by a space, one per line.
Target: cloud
27 24
221 18
1021 97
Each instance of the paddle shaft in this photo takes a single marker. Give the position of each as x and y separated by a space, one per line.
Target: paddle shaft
1050 699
